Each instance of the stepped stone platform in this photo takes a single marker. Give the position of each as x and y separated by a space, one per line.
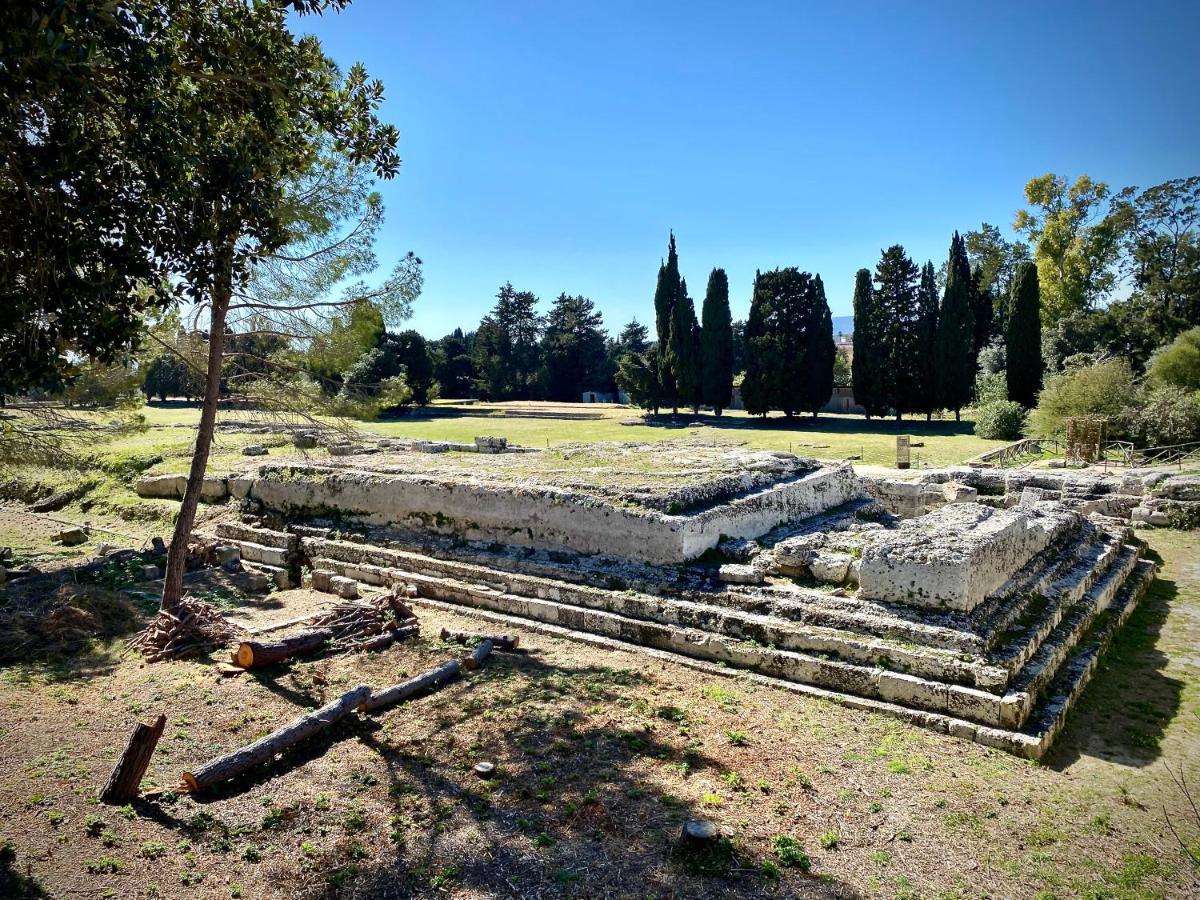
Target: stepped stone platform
985 621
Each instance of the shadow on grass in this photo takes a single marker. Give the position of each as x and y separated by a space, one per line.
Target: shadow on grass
1126 709
570 811
13 884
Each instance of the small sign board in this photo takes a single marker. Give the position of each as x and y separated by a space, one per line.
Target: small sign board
903 451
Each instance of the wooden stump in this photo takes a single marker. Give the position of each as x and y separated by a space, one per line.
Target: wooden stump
127 774
499 641
233 764
252 654
478 655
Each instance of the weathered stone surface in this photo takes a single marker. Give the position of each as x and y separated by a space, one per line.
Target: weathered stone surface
321 579
957 492
737 573
304 440
346 588
491 444
830 566
254 450
151 573
953 557
1180 487
166 487
71 537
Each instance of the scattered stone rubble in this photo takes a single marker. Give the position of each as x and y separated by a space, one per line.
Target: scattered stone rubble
976 603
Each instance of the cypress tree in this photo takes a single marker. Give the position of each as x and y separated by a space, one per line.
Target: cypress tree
982 302
1023 337
820 350
665 294
683 354
896 280
924 392
870 359
954 355
716 343
760 354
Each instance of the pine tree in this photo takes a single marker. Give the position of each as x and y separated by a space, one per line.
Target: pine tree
573 350
896 281
683 353
760 353
817 384
870 361
954 355
716 343
1023 337
665 295
923 397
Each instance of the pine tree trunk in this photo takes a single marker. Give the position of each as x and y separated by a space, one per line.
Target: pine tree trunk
957 416
177 551
127 774
928 417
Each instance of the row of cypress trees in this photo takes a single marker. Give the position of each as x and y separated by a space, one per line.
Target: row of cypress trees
914 355
692 363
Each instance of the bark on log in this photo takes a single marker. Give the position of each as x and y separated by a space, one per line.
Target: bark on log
385 640
478 655
127 774
499 641
251 654
413 686
233 764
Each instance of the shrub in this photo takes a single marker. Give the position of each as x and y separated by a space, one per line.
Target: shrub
990 387
1096 389
1178 364
999 420
1166 415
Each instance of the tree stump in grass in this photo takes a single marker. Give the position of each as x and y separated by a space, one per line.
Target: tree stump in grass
126 777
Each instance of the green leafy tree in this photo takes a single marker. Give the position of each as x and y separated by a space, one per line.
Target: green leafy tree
351 332
1178 364
506 350
1092 389
716 343
412 357
1076 242
995 257
666 295
922 393
761 352
896 282
820 352
573 348
983 303
634 338
683 354
954 346
869 367
1023 338
637 375
452 364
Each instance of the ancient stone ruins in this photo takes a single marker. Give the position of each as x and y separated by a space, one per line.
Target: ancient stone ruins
971 601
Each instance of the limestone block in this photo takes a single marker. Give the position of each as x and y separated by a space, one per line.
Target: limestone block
239 486
736 573
794 555
1180 487
150 573
71 537
957 492
161 487
321 579
226 553
254 450
213 489
1031 496
346 588
257 582
342 450
831 567
304 440
491 444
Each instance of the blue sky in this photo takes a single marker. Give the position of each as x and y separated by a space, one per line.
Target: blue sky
554 144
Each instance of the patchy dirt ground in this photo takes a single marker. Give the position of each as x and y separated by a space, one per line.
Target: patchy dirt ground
601 756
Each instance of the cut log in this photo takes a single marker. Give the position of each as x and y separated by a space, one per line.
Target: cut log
385 640
499 641
412 687
127 774
233 764
478 655
252 654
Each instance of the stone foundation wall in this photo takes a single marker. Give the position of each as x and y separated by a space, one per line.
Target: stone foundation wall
542 517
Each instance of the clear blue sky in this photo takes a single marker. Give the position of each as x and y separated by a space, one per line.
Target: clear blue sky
554 144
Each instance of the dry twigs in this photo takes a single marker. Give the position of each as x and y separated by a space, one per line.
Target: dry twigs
194 627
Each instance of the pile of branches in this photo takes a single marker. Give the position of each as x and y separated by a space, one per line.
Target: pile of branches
193 627
356 623
63 621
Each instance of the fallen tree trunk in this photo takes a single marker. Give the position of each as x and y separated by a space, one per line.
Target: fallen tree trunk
478 655
499 641
390 696
251 654
127 774
418 684
385 640
233 764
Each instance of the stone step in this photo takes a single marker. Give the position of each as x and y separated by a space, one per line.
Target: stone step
1060 644
261 553
240 531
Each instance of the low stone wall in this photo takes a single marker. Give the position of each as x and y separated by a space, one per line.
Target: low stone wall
953 557
542 516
